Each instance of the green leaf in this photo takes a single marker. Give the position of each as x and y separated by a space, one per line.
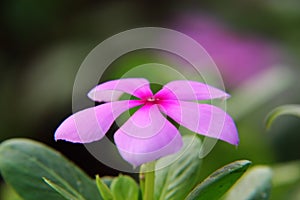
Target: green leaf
8 193
177 174
61 191
219 182
255 184
124 188
24 162
282 110
103 189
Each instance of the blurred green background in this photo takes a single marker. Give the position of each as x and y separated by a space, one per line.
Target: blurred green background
255 44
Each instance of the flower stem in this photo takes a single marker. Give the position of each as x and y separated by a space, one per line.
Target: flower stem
149 181
142 179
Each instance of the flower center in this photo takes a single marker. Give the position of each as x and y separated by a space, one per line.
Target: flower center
152 100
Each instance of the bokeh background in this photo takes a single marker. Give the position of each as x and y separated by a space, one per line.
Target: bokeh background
255 44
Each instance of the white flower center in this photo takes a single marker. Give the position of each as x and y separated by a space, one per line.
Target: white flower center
152 99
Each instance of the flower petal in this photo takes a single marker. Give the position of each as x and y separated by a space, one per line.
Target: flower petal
204 119
145 122
189 90
145 139
112 90
91 124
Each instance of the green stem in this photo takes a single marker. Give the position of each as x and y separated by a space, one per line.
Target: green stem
142 179
149 181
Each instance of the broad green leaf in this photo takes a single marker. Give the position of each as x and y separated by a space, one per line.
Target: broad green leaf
124 188
8 193
219 182
255 184
282 110
177 174
24 162
62 191
103 189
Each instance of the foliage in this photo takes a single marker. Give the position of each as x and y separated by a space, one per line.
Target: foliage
36 171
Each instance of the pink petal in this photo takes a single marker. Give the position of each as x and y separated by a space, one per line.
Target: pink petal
204 119
145 122
189 90
112 90
147 136
91 124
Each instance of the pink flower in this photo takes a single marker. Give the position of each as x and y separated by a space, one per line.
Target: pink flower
238 56
147 135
